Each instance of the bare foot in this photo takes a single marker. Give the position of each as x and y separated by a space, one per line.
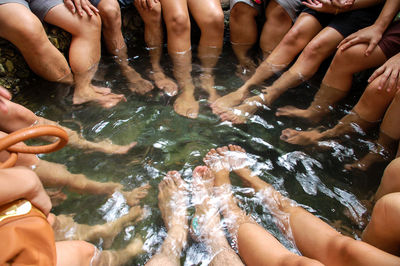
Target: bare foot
133 197
102 90
205 223
306 114
107 146
225 102
207 83
186 105
173 201
136 82
240 114
300 137
216 160
378 155
164 83
90 95
245 71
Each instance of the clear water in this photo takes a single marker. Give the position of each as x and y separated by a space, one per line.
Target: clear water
313 177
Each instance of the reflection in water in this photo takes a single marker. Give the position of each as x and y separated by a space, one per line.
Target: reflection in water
312 177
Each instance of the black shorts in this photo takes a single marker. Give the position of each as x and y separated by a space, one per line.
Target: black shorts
347 23
390 42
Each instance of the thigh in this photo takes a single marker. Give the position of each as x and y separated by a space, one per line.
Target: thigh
72 23
174 8
201 10
18 22
74 253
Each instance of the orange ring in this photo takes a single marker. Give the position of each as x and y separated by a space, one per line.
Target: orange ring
7 142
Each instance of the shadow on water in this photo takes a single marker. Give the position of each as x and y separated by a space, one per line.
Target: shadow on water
166 141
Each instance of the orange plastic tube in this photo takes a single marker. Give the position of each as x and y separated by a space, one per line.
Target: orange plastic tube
8 142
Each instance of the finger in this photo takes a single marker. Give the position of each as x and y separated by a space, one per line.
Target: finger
393 80
345 41
370 48
5 93
143 3
86 8
150 4
3 106
78 7
376 74
384 79
70 6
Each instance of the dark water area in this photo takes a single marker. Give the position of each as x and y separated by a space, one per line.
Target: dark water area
315 178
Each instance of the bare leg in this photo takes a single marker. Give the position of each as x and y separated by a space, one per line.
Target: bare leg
153 35
337 82
388 138
83 253
309 231
172 201
321 46
305 28
243 33
390 180
65 228
111 24
205 225
210 19
277 25
19 117
382 231
84 54
256 245
21 27
366 113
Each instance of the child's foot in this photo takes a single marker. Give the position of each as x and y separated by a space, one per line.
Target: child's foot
173 201
205 222
306 114
186 105
164 83
303 138
133 197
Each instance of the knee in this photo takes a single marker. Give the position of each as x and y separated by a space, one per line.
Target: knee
32 33
179 24
397 97
292 37
213 22
153 17
391 175
241 12
111 15
313 49
89 26
279 16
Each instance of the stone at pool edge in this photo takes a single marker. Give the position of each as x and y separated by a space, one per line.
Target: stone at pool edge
15 73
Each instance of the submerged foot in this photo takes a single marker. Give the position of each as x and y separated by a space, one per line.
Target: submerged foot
186 105
291 111
164 83
137 84
91 95
230 100
134 196
300 137
207 83
107 146
240 114
173 201
379 155
206 222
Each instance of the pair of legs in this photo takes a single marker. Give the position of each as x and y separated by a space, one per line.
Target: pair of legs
258 247
110 14
24 30
73 248
17 117
153 36
210 19
244 32
372 106
318 44
56 175
205 226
